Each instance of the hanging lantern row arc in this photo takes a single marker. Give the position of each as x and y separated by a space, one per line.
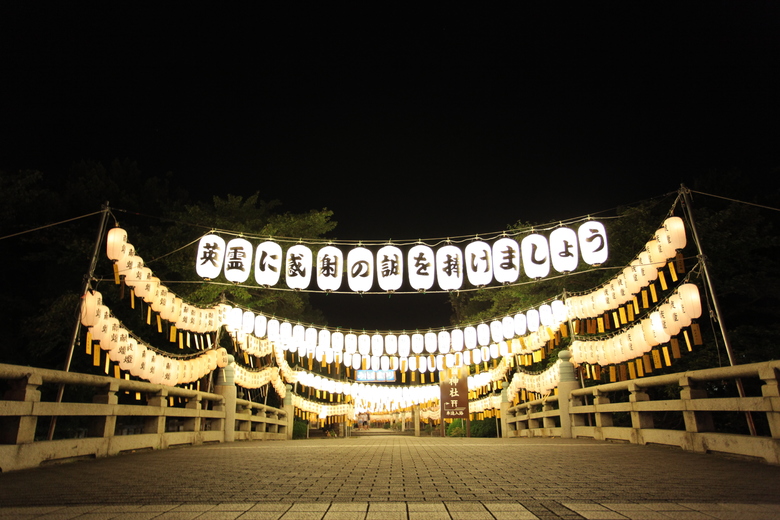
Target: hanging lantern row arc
323 342
138 358
658 328
481 263
540 383
643 270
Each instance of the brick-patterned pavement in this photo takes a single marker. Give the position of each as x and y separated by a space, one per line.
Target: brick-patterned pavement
397 477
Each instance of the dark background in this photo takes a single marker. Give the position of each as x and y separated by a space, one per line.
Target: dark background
406 122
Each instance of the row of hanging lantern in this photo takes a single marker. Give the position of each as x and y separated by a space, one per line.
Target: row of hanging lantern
540 383
137 357
481 263
141 279
642 271
323 409
483 341
676 313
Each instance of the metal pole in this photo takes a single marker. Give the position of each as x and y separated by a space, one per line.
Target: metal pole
687 206
84 286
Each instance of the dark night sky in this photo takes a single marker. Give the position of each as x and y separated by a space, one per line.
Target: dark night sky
405 123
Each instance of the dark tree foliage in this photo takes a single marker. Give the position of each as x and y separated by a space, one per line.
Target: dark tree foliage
48 266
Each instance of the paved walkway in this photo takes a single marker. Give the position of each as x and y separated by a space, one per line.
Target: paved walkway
403 478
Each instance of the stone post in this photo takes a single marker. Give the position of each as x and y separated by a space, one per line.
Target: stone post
567 382
226 387
504 410
21 430
416 415
289 410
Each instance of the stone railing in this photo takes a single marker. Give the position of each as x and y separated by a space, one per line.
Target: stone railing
122 416
706 423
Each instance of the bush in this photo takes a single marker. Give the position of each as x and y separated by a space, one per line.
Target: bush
299 429
457 428
483 428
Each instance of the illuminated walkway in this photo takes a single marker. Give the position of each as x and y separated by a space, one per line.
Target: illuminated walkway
399 478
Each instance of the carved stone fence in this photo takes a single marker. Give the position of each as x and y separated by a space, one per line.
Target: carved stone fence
673 410
122 416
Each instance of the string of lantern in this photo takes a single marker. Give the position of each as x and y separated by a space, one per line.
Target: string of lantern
390 267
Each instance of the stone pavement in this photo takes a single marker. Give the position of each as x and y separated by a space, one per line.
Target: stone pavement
404 478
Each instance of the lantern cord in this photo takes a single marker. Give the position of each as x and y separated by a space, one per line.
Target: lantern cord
735 200
51 225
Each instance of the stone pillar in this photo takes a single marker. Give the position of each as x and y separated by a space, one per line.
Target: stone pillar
289 410
504 409
771 391
226 387
21 430
567 382
416 415
104 425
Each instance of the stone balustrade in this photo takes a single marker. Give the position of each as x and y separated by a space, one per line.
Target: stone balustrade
122 416
627 411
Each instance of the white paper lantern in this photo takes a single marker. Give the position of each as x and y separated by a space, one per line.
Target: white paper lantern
337 341
521 324
418 343
479 263
391 344
360 269
483 334
420 261
449 268
536 256
457 340
116 241
210 256
593 242
470 337
532 320
330 272
238 260
506 260
443 341
389 268
268 263
298 267
404 345
689 293
564 251
364 344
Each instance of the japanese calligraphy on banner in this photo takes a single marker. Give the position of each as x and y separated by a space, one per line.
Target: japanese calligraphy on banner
421 266
455 394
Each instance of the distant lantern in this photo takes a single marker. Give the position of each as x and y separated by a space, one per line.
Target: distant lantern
298 267
496 331
593 242
390 268
532 320
238 260
449 267
456 340
360 269
470 337
377 345
337 341
391 344
546 315
420 262
508 327
261 326
350 343
535 252
330 268
248 322
506 260
478 260
116 241
430 342
211 256
418 343
364 344
404 345
564 251
443 341
268 263
521 324
483 334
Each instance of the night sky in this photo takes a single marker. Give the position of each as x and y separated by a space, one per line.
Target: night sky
405 123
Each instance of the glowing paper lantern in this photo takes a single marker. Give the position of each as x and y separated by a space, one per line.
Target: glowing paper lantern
449 267
496 331
521 326
443 341
593 242
675 233
404 345
532 320
211 255
689 294
364 344
483 334
330 261
470 337
536 256
261 326
418 343
238 260
116 241
430 342
389 268
298 267
360 269
506 260
268 263
377 345
457 340
479 263
564 252
420 260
